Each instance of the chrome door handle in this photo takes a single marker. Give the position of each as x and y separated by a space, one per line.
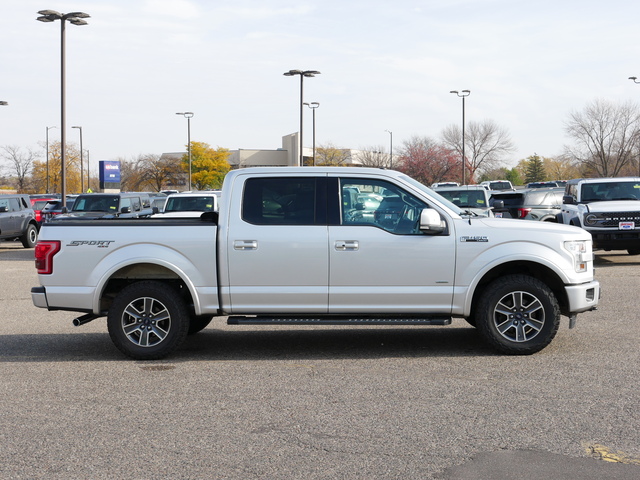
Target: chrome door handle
347 245
245 244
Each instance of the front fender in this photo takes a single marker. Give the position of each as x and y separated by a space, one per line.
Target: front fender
472 271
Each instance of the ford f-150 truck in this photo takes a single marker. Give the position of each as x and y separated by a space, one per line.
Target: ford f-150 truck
320 246
607 208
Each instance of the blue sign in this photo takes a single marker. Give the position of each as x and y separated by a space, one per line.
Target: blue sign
109 171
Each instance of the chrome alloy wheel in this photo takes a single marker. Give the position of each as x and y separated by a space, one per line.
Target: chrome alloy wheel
146 322
519 316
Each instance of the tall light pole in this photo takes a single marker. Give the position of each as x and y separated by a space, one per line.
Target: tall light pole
390 148
75 18
313 106
81 161
188 116
463 95
48 128
635 80
302 73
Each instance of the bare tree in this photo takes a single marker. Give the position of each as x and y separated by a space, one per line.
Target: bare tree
374 157
606 135
21 164
330 155
159 171
133 175
486 144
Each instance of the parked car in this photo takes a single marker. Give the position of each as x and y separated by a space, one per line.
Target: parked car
55 208
38 203
191 204
444 184
470 198
109 205
158 200
607 208
498 185
532 204
17 220
543 185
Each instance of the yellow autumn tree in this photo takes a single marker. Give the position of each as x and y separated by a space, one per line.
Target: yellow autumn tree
209 165
40 179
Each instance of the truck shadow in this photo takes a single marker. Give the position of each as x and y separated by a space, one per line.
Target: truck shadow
291 344
611 259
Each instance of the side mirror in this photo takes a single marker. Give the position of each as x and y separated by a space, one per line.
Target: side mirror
568 200
64 209
430 222
125 210
359 206
498 204
3 209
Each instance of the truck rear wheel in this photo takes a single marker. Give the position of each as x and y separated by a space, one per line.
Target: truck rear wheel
148 320
518 315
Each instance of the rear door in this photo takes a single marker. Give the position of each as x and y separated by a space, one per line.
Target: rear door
277 249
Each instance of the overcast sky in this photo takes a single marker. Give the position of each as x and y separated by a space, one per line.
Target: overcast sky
385 66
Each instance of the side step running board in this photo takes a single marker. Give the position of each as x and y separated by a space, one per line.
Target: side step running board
333 320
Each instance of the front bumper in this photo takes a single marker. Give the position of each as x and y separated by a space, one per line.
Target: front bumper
583 297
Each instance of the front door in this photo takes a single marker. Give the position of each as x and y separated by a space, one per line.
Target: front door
380 262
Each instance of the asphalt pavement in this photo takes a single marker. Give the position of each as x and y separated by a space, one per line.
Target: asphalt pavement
248 402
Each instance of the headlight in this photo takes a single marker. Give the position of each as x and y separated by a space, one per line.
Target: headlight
581 252
590 219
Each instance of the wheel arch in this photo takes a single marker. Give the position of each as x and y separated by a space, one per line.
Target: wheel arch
523 267
125 275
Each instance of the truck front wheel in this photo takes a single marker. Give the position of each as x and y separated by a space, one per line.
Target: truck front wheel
148 320
518 315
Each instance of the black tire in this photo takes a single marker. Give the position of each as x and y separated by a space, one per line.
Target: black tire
634 251
148 320
30 236
518 315
199 322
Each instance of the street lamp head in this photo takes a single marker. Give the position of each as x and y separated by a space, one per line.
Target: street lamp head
634 79
305 73
49 12
185 114
2 102
77 15
74 17
454 91
76 126
466 91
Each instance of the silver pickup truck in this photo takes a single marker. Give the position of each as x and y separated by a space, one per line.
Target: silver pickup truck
321 246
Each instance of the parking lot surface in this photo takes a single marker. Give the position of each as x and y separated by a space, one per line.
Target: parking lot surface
247 402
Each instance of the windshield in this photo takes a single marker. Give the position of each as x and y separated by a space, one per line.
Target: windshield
465 198
98 203
607 191
205 203
430 193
